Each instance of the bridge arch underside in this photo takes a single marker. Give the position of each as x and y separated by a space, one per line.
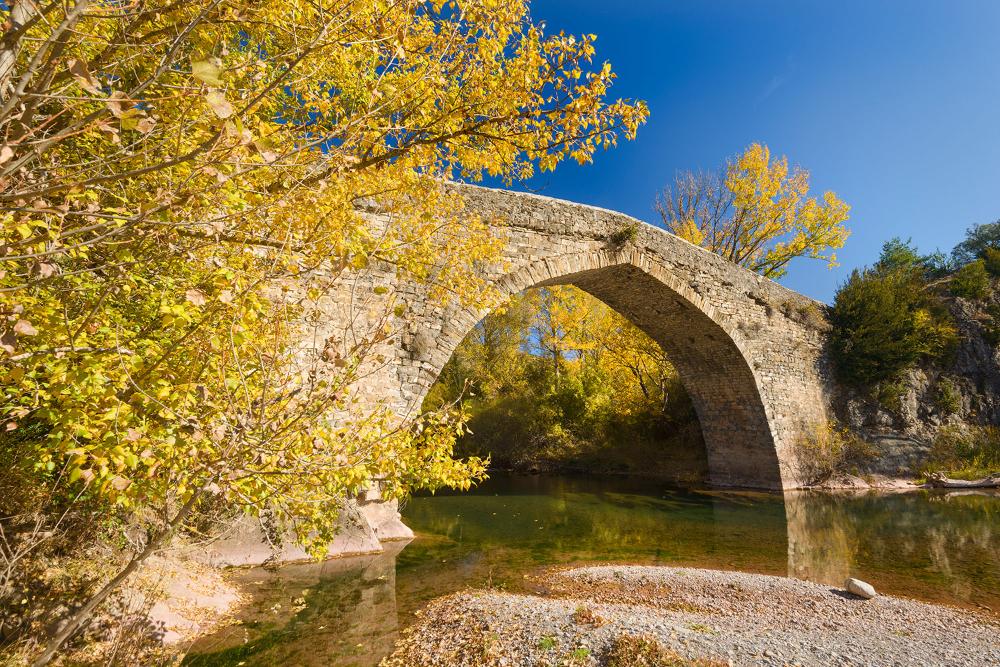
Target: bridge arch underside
739 441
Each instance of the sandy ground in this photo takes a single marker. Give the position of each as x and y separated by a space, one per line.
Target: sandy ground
190 598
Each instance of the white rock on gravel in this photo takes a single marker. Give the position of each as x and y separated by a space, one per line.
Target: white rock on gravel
860 588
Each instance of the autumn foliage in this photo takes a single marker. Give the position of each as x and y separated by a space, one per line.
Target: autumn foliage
756 213
558 379
169 169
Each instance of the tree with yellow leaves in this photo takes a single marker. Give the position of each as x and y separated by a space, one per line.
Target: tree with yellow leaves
560 327
635 364
559 378
757 213
168 169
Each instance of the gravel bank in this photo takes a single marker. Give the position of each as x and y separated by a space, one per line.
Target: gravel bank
735 618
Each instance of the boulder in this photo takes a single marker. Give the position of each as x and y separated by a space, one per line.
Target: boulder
860 588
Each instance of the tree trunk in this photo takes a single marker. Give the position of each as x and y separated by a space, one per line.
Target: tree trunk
83 615
940 481
20 13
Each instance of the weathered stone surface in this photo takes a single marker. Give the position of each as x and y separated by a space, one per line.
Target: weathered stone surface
860 588
749 351
383 516
245 544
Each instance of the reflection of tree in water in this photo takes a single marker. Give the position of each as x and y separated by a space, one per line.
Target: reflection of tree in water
311 614
574 520
944 546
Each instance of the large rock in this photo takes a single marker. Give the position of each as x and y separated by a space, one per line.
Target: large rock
860 588
245 543
383 516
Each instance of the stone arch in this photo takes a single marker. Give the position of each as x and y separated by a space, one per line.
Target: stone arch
709 352
750 351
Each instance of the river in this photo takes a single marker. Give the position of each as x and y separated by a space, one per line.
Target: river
347 612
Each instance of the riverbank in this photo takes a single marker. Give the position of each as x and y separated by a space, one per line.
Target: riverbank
836 482
191 599
729 617
510 532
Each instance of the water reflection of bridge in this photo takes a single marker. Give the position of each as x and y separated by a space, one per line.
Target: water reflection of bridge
938 547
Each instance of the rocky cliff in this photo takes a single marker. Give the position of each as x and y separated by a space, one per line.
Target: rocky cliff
961 390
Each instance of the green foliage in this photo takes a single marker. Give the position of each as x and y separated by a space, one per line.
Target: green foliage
991 260
889 395
628 233
547 643
971 281
965 453
885 321
898 254
947 397
978 240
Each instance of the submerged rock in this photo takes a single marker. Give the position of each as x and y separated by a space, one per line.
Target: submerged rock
860 588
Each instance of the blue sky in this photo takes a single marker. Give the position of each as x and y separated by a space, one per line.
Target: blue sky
893 105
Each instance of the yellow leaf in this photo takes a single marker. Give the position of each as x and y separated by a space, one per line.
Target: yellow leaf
207 71
219 104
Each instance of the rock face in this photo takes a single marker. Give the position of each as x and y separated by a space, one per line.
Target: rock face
749 351
960 391
364 524
860 588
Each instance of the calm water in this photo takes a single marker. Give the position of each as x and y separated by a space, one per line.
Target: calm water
937 547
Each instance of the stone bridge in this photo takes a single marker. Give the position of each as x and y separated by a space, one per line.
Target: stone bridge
748 350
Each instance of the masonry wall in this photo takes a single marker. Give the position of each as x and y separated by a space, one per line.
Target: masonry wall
748 350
